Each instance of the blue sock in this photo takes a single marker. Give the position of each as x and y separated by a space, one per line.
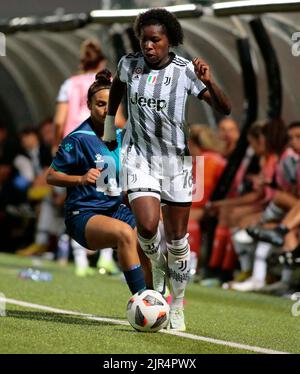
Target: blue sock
135 279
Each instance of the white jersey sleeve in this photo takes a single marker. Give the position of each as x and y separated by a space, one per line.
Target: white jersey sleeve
128 67
122 70
194 86
63 94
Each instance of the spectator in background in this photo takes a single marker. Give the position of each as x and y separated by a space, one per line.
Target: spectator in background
286 232
288 178
268 140
46 132
229 133
71 106
7 196
11 154
39 157
16 176
203 141
13 213
9 147
36 150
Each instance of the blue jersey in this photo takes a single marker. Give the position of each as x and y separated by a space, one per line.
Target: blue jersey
80 151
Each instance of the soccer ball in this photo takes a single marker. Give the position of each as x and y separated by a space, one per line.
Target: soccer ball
148 311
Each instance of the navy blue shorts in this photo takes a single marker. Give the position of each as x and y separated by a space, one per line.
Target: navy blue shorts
76 224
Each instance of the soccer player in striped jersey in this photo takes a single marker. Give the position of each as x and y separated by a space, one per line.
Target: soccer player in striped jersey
154 147
94 214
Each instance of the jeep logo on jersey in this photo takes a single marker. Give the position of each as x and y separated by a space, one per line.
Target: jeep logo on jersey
157 104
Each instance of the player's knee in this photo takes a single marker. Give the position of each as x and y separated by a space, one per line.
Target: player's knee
126 235
148 229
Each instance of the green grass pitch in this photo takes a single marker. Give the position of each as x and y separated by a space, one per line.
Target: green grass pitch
250 319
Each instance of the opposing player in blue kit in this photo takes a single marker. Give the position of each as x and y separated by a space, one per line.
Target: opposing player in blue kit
94 214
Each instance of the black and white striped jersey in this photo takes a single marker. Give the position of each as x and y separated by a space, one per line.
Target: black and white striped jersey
156 104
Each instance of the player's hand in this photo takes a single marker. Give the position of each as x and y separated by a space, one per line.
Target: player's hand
202 70
90 177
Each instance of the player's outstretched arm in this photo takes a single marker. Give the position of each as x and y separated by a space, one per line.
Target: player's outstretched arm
115 96
56 178
214 96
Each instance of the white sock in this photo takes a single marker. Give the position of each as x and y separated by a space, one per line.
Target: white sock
106 254
80 255
194 263
245 252
287 275
260 262
179 269
42 238
163 241
45 222
63 247
151 248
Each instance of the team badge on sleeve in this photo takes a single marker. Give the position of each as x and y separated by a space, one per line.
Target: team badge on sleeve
68 147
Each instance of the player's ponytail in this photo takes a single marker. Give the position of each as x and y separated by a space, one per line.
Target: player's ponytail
103 80
104 77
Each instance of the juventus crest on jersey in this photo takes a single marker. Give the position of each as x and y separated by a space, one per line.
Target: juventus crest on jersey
156 104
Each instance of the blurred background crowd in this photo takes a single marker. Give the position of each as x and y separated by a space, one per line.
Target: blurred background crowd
246 239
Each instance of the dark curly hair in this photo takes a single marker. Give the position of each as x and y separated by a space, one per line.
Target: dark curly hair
160 16
103 80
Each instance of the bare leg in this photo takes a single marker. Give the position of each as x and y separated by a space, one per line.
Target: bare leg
284 200
291 240
146 210
239 216
107 232
175 221
146 265
292 219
